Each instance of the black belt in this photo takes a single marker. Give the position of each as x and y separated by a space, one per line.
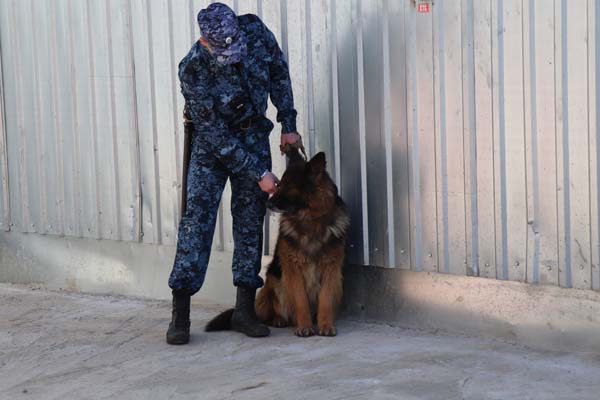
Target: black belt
248 123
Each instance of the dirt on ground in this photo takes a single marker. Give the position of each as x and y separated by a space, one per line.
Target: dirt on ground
56 345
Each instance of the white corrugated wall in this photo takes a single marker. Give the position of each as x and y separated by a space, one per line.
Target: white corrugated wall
465 140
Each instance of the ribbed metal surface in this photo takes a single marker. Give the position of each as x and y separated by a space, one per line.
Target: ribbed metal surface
464 140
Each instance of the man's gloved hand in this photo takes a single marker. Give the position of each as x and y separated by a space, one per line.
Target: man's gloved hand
268 183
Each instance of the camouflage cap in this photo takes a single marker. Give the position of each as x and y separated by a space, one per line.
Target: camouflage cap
220 28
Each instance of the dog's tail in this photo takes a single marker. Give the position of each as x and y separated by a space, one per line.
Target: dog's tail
221 322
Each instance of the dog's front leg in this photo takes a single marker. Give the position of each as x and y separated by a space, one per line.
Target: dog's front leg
330 296
293 281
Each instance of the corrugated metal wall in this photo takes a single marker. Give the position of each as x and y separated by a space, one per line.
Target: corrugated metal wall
464 140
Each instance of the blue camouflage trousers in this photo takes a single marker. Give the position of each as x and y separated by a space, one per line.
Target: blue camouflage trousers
206 180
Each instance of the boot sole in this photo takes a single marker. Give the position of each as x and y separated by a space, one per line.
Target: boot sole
251 334
178 341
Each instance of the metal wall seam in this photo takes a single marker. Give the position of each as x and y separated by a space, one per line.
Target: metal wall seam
284 32
5 222
578 137
565 145
135 151
427 136
24 149
533 241
192 11
157 192
470 149
176 116
143 79
399 131
595 203
40 225
502 141
59 202
320 48
485 121
362 130
441 81
560 169
94 143
335 96
414 165
13 118
310 101
46 132
115 147
77 227
497 271
387 127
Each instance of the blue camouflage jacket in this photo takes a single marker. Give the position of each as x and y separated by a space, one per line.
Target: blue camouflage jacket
216 100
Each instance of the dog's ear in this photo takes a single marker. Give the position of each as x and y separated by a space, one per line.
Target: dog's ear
317 164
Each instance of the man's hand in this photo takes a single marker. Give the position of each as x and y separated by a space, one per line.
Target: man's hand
290 138
268 183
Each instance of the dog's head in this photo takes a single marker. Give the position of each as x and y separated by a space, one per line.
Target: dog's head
305 188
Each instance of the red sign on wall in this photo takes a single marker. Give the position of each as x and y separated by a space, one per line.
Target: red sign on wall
423 7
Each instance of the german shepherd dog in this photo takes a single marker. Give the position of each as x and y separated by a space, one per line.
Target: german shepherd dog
304 280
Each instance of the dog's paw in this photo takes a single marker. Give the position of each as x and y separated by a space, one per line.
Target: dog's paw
327 331
304 332
279 323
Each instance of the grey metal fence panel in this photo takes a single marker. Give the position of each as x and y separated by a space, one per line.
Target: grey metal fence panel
464 140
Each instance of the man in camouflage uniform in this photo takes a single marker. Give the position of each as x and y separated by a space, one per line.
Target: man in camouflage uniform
226 79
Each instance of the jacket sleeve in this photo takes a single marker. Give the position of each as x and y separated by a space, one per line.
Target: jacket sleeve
195 87
281 85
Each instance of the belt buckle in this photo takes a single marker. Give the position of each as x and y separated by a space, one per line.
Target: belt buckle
245 125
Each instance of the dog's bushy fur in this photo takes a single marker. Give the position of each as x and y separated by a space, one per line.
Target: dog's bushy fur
304 280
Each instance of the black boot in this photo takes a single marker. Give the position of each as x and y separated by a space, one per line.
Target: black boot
179 328
244 317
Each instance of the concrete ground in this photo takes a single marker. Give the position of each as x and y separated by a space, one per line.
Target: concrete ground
72 346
